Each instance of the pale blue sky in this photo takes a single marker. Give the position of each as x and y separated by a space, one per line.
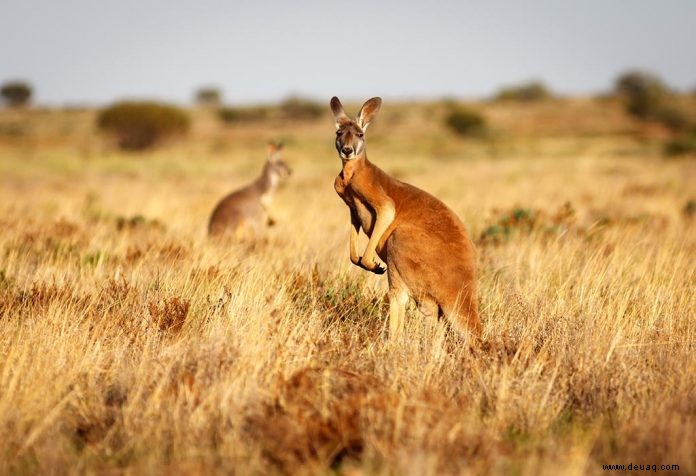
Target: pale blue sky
94 51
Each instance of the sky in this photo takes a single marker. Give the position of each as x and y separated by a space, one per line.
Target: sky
96 51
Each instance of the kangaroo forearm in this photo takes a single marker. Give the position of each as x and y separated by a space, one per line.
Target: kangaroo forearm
385 217
354 233
354 256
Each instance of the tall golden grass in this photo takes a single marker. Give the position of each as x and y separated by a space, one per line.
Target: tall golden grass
131 343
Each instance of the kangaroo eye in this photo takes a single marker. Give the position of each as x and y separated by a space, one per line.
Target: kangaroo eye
360 134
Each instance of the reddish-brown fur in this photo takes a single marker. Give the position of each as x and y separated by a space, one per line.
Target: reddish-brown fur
427 252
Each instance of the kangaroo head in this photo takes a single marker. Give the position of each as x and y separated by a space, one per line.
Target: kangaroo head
276 168
350 133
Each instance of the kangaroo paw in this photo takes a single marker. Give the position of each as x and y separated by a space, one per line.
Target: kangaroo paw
377 268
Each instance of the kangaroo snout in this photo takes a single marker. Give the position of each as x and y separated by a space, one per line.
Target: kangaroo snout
347 150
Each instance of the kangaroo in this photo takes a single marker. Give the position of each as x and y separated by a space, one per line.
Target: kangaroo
245 211
427 252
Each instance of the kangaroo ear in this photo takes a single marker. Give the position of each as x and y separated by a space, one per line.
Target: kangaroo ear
368 112
338 112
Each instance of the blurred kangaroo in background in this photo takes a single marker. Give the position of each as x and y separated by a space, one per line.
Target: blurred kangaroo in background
427 252
245 211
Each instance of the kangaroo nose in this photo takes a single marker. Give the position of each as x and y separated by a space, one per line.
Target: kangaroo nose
347 150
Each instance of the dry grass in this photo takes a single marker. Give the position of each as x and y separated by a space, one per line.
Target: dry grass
131 343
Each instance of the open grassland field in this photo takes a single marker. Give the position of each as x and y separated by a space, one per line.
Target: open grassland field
129 342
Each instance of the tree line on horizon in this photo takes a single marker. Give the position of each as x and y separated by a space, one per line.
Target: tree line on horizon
139 125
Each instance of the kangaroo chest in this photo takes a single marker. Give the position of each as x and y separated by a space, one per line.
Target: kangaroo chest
266 199
365 213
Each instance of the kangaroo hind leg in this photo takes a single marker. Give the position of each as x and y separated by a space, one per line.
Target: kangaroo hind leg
398 299
462 315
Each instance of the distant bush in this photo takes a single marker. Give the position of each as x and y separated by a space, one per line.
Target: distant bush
14 130
139 125
16 93
673 118
644 93
208 96
648 98
640 83
531 91
683 145
232 115
293 108
523 221
646 103
689 211
299 108
465 122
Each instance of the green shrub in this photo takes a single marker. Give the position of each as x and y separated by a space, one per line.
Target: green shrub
673 118
232 115
293 108
644 94
683 145
16 93
640 83
646 103
689 211
530 91
208 96
465 122
523 221
648 98
138 125
301 109
14 130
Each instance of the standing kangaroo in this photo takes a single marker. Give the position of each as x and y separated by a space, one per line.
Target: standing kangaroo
245 211
427 252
